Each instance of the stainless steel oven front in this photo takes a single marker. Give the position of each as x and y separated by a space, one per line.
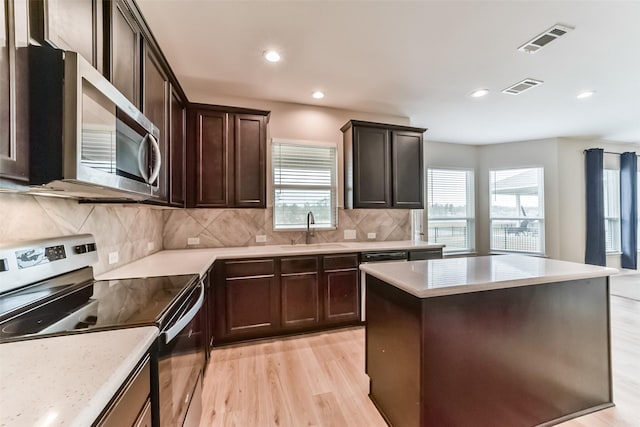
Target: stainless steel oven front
180 364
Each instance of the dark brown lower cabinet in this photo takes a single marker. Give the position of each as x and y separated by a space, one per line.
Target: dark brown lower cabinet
341 288
247 294
299 300
248 304
257 298
342 298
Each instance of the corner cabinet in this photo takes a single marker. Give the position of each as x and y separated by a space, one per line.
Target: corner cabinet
226 157
383 166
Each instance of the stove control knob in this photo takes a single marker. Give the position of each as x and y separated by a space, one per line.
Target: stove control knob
4 266
91 247
80 249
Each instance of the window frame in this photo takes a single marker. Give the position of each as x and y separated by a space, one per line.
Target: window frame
540 218
469 218
612 220
334 187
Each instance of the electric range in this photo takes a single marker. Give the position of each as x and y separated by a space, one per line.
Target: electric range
47 289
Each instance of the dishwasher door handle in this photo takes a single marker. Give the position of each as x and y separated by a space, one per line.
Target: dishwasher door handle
173 331
384 256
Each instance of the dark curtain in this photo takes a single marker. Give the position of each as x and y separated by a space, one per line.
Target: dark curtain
594 167
629 209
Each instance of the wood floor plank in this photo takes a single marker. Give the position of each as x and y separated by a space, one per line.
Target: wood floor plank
319 380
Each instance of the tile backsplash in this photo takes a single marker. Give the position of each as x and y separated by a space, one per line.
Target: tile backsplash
123 228
239 227
129 229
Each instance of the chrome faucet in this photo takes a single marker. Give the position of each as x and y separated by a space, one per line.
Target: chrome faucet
310 231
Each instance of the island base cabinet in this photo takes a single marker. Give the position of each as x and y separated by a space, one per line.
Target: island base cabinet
523 356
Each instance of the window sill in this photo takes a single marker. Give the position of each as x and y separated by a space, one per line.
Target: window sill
536 254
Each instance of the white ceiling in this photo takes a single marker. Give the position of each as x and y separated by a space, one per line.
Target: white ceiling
419 59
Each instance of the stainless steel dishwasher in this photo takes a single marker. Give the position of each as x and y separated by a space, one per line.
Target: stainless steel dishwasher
376 256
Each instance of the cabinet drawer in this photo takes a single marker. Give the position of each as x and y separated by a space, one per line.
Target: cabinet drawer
131 401
339 262
249 268
299 265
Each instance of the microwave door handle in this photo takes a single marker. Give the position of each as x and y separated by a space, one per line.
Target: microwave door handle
158 155
142 164
173 331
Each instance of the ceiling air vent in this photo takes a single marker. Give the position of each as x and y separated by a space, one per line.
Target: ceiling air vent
522 86
543 39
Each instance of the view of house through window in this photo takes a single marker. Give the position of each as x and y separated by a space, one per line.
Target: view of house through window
451 209
304 179
611 182
517 210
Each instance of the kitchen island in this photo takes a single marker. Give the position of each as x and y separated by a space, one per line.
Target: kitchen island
486 341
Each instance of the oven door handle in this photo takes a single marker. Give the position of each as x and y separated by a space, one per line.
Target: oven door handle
173 331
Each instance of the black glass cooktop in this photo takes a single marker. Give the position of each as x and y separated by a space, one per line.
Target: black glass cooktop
94 305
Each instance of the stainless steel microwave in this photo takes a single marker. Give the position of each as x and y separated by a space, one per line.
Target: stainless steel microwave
86 139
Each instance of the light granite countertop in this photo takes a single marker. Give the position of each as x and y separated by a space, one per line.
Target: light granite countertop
67 380
198 261
440 277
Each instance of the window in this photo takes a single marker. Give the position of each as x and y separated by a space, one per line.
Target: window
451 209
304 179
611 182
517 210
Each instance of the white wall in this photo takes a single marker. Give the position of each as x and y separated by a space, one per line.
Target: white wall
564 184
451 156
572 203
526 154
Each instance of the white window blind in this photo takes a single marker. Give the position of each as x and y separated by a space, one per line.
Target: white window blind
517 210
611 183
451 209
304 179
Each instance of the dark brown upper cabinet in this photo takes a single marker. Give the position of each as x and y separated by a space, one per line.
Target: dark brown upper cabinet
226 157
14 91
155 107
75 25
383 166
177 149
122 54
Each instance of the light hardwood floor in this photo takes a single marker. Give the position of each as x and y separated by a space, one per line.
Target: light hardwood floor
319 380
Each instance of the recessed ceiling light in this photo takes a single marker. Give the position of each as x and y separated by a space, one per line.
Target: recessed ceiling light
318 94
586 94
479 93
271 55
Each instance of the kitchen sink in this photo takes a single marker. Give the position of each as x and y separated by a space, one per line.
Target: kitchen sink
313 246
